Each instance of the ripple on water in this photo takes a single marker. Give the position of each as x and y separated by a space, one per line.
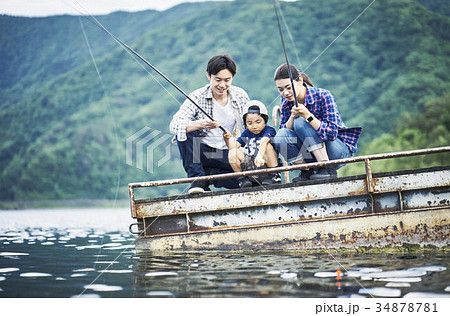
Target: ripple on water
289 275
13 254
325 274
425 295
119 247
77 275
160 293
88 247
398 284
407 280
93 295
274 272
8 270
429 268
116 271
396 274
381 291
35 274
84 270
161 274
369 270
103 287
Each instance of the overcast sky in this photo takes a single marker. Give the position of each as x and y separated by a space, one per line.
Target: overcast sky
58 7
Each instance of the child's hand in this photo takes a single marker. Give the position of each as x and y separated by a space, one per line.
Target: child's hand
226 135
259 160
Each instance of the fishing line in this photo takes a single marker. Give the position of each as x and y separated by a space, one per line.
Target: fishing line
290 36
330 43
90 18
295 100
110 113
285 54
340 34
108 104
97 23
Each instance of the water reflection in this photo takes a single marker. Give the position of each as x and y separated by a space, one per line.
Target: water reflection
218 274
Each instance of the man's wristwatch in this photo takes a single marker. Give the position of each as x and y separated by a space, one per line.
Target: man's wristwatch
309 119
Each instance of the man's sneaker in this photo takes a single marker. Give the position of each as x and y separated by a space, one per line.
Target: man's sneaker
244 182
198 187
273 178
304 175
324 173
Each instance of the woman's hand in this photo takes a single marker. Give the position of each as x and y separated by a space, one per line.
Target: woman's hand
300 110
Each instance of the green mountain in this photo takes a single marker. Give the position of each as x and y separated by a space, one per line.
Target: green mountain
64 131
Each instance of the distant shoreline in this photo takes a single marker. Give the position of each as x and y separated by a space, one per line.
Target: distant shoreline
77 203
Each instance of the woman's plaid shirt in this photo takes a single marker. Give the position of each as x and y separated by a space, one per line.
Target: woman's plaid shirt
204 98
322 104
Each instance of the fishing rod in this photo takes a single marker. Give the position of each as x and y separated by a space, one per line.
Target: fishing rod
285 54
98 24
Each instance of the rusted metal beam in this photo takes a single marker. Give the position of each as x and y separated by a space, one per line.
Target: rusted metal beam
132 201
369 178
393 229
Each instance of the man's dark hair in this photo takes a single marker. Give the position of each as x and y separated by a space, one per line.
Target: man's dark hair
221 62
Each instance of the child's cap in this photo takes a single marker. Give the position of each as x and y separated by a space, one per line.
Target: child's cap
254 106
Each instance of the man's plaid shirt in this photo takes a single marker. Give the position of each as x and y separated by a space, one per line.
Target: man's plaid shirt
204 98
322 105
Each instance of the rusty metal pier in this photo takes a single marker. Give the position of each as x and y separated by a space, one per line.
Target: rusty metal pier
371 210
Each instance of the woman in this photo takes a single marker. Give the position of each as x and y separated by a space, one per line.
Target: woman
313 131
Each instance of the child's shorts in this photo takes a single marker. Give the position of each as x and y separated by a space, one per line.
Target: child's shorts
249 164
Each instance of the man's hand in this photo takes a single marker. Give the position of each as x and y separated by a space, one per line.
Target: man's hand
208 124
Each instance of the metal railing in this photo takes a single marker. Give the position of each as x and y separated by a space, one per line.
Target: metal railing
367 159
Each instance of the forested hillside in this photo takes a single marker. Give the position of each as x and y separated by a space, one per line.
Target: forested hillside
63 133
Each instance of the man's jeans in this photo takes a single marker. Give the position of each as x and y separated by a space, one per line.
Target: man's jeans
198 157
298 143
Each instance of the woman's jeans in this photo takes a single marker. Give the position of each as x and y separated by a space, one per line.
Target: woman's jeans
200 159
299 143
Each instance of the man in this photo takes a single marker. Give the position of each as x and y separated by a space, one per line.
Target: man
199 139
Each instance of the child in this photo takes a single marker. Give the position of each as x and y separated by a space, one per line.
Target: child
256 142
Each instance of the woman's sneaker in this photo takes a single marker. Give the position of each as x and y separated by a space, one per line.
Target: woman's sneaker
304 175
324 173
244 182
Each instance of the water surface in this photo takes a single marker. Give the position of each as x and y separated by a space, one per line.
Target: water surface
90 253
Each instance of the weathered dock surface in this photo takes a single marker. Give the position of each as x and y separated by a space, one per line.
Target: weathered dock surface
371 210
